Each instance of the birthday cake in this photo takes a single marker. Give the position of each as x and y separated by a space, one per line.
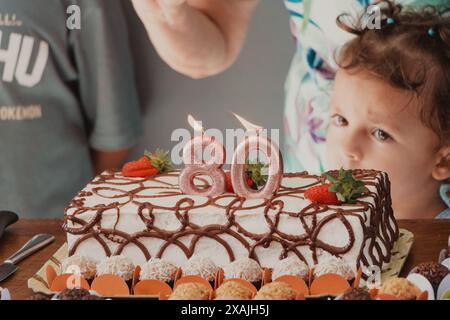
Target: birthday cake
143 218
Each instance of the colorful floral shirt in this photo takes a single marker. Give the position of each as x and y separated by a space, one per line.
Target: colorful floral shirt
311 76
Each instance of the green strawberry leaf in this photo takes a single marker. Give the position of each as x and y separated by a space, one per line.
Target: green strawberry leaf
255 171
160 159
346 187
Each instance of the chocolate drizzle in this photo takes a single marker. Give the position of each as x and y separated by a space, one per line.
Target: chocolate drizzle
373 212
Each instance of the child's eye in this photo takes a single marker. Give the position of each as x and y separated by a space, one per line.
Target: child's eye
381 135
339 120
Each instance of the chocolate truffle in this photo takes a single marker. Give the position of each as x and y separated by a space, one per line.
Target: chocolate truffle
116 265
200 266
190 291
72 294
356 294
86 266
291 266
434 272
92 297
40 297
233 290
158 269
401 288
243 268
336 266
276 291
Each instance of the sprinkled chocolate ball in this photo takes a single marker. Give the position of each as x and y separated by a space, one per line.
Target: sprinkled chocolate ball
433 271
40 297
356 294
73 294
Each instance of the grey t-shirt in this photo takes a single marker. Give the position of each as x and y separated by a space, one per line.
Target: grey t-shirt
62 93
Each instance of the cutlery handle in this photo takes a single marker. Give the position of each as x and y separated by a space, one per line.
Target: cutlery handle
37 242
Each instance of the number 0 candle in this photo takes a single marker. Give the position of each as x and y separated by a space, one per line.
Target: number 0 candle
255 142
195 167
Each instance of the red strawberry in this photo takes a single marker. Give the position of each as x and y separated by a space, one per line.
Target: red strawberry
229 185
140 168
321 194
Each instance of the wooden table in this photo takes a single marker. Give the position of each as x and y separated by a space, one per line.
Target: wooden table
430 237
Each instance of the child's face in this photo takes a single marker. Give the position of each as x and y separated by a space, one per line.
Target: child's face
375 126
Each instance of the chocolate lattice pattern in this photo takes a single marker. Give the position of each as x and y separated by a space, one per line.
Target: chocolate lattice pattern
110 193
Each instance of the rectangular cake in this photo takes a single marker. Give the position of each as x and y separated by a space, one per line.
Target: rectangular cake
150 217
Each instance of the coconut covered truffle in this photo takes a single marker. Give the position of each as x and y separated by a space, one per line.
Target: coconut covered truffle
336 266
401 288
200 266
116 265
158 269
86 265
243 268
276 291
190 291
233 290
291 266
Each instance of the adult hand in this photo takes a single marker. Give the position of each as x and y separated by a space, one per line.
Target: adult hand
167 10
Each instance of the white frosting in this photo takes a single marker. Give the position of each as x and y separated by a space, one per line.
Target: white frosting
291 266
243 268
158 269
200 266
77 264
336 266
117 265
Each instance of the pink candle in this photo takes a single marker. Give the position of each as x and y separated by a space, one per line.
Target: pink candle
255 142
211 167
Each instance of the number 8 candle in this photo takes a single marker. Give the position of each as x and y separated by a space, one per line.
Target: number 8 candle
255 142
195 167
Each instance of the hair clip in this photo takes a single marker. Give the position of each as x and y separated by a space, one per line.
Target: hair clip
431 32
390 21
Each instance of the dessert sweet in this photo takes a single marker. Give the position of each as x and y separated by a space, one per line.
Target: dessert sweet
400 288
291 266
335 266
433 271
243 268
356 294
190 291
141 218
120 266
200 266
72 294
40 297
233 290
158 269
85 265
276 291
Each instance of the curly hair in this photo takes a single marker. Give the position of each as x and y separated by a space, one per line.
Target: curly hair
410 51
